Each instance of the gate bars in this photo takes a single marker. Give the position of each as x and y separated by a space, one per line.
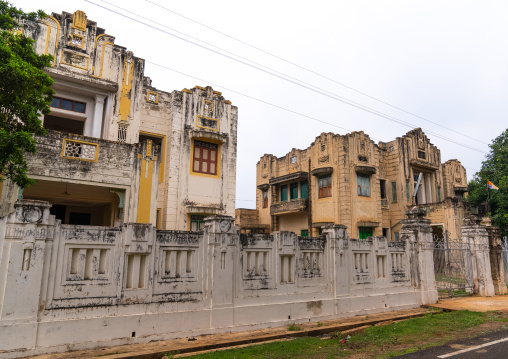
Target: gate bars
453 266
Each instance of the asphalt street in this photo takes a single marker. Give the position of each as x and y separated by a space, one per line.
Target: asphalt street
487 346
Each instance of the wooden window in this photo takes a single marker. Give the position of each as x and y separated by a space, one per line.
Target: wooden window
365 232
197 222
284 192
69 105
293 190
439 194
304 233
325 186
394 192
265 198
304 189
407 191
205 157
363 182
421 155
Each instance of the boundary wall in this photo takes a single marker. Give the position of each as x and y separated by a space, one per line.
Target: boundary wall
65 287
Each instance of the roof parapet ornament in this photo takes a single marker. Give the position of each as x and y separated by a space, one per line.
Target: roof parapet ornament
79 20
415 213
472 220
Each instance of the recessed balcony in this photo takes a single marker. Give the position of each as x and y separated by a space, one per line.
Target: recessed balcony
291 206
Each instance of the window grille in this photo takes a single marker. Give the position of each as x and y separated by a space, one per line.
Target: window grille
122 133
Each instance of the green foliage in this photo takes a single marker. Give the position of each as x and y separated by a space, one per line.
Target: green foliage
495 169
25 94
294 327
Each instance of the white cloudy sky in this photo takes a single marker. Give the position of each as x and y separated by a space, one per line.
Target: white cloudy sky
444 61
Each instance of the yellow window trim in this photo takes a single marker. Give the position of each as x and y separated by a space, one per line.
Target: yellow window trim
152 93
82 46
219 158
79 67
163 152
208 118
211 105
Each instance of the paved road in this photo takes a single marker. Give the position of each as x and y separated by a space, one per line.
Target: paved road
488 346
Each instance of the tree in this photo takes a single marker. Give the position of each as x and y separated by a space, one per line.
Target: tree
494 169
25 93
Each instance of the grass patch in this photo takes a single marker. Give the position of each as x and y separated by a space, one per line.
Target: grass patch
294 327
375 342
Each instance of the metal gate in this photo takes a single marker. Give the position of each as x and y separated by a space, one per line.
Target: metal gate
453 267
505 258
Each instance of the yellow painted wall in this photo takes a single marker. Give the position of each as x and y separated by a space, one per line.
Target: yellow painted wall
145 191
125 98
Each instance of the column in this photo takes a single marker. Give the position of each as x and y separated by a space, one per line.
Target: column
97 116
222 237
496 260
417 233
476 234
23 237
337 237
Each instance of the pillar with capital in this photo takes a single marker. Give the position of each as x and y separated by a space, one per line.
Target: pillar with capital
26 238
478 238
417 232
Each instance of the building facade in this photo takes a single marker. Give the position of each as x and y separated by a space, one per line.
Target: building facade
118 149
350 180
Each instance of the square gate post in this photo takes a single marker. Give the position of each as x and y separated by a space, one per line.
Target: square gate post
478 238
417 232
496 260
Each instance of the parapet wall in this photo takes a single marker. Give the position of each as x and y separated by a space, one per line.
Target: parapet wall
68 287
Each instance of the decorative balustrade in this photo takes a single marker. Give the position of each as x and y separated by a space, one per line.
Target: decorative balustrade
80 150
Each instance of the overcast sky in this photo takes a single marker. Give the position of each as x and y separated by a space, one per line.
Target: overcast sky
441 63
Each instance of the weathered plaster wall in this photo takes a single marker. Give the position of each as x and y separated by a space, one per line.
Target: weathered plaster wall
133 283
344 157
293 222
88 66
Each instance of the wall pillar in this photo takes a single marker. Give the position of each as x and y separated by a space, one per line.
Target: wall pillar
478 238
338 239
417 233
222 237
148 167
97 116
496 260
23 237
